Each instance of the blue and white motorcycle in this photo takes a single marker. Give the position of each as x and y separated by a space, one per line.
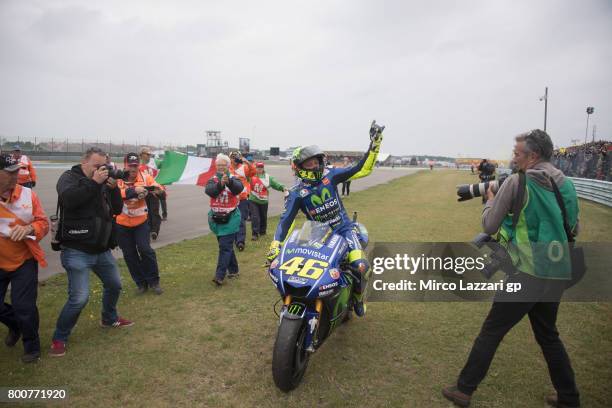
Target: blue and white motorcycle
312 275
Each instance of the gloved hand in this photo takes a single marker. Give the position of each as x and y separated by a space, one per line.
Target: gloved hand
274 250
376 136
33 184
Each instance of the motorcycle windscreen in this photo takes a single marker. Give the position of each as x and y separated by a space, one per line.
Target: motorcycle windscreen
313 233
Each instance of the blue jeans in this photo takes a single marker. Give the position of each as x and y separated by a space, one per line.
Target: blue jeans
140 258
78 264
22 314
243 206
226 262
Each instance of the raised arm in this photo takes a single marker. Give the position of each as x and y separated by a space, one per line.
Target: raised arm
213 188
365 166
74 192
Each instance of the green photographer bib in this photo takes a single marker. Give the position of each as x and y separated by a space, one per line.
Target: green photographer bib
538 246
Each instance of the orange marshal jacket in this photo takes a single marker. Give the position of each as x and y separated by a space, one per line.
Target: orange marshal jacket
134 210
22 208
244 172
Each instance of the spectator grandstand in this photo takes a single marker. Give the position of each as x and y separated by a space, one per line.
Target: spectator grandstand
591 160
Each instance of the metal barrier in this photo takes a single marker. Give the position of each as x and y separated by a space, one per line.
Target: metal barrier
594 190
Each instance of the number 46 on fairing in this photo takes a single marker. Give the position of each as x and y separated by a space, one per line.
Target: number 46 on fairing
311 269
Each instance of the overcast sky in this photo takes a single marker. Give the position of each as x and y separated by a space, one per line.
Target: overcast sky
450 78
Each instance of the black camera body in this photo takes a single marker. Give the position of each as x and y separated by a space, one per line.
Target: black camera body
499 258
116 174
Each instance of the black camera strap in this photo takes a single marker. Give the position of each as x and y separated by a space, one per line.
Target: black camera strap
518 202
568 229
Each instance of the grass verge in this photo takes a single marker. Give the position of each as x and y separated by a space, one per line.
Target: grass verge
198 345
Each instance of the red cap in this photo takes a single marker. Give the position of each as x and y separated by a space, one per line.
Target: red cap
259 164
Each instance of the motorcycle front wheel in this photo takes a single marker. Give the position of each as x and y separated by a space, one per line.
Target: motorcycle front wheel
289 358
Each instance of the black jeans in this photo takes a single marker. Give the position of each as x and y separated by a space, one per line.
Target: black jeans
259 217
154 218
543 317
243 206
135 243
346 188
22 314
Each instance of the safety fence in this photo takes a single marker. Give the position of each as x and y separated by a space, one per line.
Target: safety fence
598 191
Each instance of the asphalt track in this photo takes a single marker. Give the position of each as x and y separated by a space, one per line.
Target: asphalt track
187 206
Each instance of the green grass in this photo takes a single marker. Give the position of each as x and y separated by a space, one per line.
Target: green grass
198 345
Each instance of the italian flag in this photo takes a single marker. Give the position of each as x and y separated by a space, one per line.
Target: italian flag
178 168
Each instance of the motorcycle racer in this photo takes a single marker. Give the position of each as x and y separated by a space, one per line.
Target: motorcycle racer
316 195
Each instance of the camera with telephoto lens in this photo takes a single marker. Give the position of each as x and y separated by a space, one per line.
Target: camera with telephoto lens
499 258
468 191
116 173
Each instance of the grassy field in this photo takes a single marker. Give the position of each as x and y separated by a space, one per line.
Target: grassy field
198 345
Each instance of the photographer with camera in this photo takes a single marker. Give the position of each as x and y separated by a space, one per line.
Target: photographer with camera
532 209
486 172
243 169
154 201
133 229
88 198
23 224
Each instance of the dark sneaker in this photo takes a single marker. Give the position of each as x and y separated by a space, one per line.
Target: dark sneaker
157 289
120 322
141 290
453 394
12 338
359 307
553 401
154 236
33 357
58 349
217 282
233 275
240 246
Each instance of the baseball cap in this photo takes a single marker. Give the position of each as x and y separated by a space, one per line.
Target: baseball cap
132 159
8 162
259 164
17 147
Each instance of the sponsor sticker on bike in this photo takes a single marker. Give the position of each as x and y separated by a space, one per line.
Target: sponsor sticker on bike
297 279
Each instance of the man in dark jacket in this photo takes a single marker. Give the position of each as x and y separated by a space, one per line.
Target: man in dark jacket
88 200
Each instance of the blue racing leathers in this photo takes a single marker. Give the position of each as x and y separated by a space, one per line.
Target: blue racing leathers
321 202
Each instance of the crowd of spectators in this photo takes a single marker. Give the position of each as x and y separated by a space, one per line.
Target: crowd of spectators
591 160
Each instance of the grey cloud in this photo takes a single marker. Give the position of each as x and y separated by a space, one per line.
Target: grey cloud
448 78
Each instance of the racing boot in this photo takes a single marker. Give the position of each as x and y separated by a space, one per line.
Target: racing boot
359 305
359 268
